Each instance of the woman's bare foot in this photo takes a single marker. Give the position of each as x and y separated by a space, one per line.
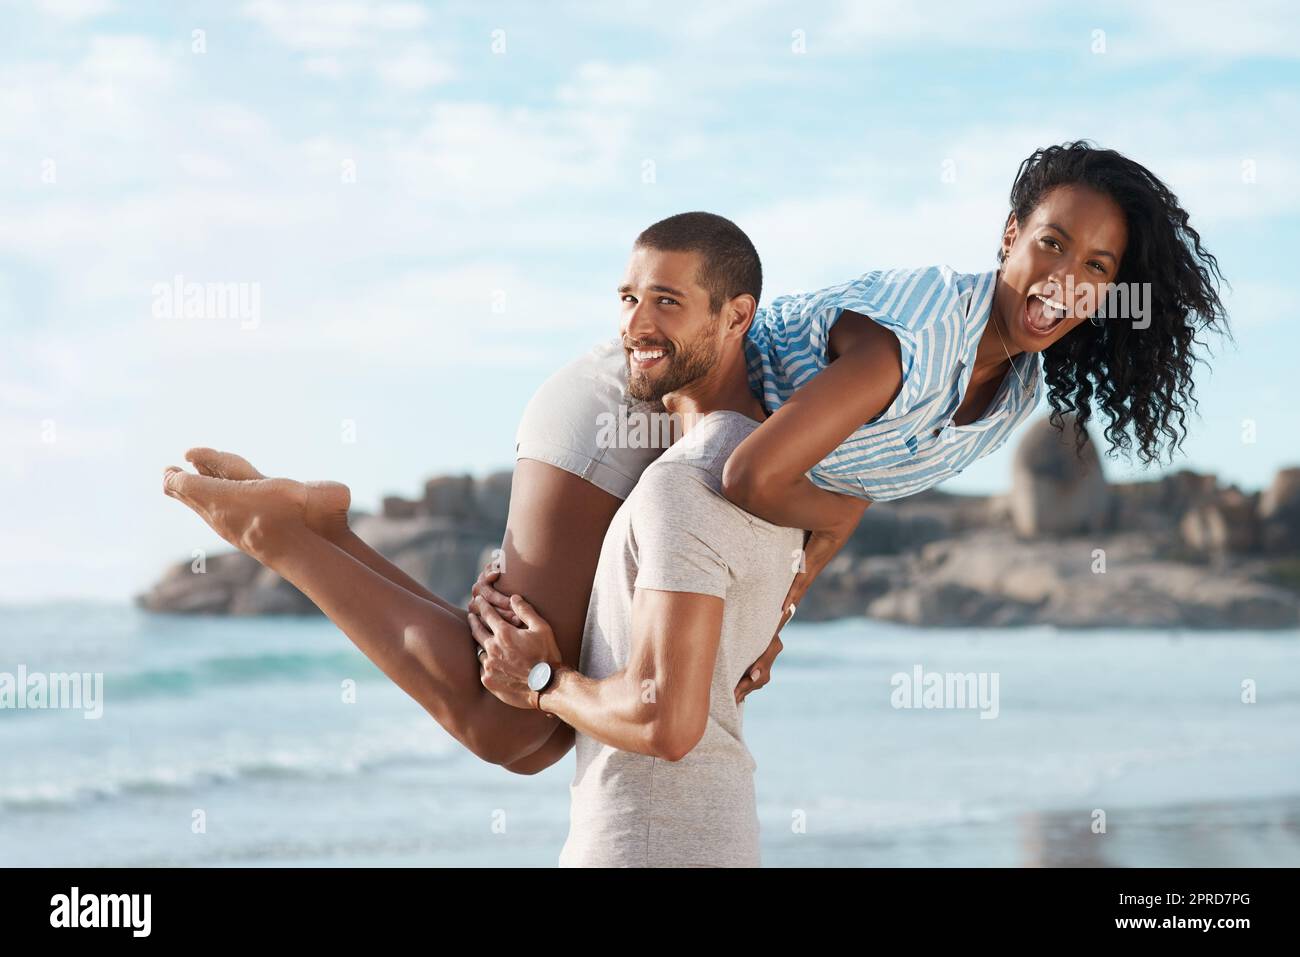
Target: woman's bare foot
325 510
251 513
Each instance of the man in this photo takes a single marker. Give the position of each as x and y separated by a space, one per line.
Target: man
565 492
687 591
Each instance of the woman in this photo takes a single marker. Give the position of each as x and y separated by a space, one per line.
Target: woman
940 367
1100 275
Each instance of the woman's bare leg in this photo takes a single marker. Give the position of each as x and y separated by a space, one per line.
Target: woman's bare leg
423 644
556 525
554 531
328 518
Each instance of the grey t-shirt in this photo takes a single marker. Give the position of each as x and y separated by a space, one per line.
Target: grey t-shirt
676 532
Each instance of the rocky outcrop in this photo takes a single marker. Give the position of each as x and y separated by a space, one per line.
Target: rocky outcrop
1279 513
203 586
1055 491
992 578
1064 547
1222 523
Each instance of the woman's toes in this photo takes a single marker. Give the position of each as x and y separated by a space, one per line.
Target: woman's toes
205 461
170 485
226 465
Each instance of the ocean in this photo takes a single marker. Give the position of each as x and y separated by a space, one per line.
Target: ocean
229 742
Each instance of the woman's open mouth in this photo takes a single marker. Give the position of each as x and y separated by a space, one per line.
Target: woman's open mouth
1043 315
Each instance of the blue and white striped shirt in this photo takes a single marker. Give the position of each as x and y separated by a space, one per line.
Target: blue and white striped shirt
937 315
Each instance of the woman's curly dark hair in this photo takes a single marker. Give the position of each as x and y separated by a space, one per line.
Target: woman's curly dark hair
1140 377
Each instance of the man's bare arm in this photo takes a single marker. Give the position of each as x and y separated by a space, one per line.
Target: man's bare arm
657 705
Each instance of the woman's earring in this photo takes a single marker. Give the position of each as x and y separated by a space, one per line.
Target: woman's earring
1097 320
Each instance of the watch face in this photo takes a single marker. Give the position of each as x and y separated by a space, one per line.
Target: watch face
539 676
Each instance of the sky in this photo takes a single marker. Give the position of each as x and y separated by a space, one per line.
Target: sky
430 207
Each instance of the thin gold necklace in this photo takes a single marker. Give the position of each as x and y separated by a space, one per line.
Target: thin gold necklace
993 317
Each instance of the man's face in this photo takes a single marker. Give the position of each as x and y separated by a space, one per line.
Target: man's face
1059 264
669 336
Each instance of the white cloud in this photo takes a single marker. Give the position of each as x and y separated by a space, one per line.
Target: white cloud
344 36
1204 28
412 69
72 11
807 242
856 23
477 310
129 58
603 85
54 110
1142 32
1253 304
333 25
1216 185
328 66
56 434
486 156
204 166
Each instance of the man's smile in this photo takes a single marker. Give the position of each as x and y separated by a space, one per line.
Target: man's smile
646 358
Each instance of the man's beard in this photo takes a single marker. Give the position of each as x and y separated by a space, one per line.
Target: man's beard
682 368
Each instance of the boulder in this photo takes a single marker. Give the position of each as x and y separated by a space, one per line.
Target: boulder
269 594
1279 513
394 506
466 500
183 590
450 496
492 497
1222 525
1054 491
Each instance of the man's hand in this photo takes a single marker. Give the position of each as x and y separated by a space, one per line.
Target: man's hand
510 652
760 672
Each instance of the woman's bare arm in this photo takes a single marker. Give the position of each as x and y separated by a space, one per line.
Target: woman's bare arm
765 475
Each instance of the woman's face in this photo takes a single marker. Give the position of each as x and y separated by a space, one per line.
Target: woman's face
1059 264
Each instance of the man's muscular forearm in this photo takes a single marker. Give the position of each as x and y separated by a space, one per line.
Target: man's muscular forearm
610 710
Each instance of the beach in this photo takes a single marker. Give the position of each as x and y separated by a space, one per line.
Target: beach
271 741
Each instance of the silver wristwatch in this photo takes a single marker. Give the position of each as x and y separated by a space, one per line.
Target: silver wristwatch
539 676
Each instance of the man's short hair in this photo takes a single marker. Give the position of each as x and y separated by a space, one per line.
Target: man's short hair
730 265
